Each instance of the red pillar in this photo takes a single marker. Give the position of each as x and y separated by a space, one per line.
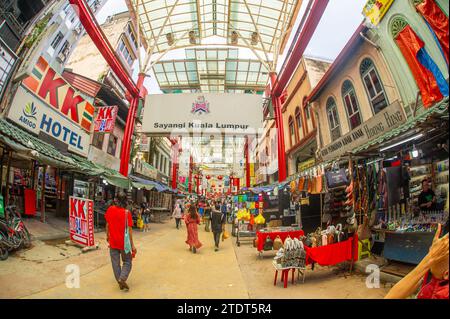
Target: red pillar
175 152
190 175
129 128
247 164
197 186
280 132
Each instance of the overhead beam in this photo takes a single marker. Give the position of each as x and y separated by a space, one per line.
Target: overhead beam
299 47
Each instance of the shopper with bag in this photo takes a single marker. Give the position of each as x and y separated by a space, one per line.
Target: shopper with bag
119 236
217 225
192 220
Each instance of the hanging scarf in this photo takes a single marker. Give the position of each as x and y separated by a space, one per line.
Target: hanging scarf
412 48
438 23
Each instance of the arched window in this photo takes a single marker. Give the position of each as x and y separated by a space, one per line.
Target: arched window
351 104
333 119
298 120
373 85
292 131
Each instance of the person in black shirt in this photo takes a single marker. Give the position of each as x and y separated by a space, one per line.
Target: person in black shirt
217 225
427 198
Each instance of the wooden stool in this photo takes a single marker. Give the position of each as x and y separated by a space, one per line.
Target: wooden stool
363 249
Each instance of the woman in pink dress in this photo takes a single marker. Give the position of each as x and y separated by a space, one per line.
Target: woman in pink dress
192 219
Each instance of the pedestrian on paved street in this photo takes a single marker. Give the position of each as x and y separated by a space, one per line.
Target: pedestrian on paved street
192 219
177 213
207 217
217 225
118 220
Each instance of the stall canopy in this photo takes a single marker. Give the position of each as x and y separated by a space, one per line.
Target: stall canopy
147 184
29 145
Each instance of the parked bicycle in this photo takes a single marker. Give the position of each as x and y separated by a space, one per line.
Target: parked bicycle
13 233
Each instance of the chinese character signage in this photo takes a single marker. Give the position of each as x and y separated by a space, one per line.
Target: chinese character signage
106 118
375 10
81 221
53 89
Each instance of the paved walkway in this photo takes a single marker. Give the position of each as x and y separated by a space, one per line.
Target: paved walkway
165 268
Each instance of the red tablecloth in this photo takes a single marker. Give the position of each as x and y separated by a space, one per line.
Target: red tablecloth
283 235
333 254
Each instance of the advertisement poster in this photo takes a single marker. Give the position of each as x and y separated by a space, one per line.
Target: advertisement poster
106 119
375 10
81 221
36 116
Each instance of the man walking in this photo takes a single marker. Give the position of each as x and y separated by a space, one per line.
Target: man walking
217 225
118 222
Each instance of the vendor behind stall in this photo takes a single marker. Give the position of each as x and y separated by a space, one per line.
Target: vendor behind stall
427 198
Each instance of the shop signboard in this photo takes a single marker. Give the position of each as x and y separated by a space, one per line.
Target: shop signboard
146 169
386 120
303 166
53 89
375 10
34 115
106 119
81 221
144 145
212 113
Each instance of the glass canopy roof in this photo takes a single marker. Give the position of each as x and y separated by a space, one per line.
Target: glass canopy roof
258 24
211 70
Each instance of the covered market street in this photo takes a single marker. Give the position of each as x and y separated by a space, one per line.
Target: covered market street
164 268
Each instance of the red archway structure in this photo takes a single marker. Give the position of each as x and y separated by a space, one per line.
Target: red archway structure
277 83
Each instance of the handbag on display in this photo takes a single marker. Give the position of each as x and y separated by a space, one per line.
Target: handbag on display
268 244
277 243
324 239
336 178
364 230
301 183
318 236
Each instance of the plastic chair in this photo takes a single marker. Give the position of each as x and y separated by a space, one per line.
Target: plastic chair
364 249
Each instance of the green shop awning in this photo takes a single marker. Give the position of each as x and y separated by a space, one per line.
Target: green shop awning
25 143
142 186
440 108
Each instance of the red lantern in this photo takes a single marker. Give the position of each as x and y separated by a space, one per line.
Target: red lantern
220 177
208 177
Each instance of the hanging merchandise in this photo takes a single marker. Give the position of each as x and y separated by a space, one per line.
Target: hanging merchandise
336 178
431 84
438 22
277 243
301 184
260 220
268 244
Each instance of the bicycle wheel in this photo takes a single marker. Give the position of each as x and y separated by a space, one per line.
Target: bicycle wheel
3 253
26 239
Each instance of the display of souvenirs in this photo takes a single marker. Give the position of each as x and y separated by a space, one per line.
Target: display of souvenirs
291 254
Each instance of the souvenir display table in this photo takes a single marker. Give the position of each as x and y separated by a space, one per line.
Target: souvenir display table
283 232
333 254
285 273
328 255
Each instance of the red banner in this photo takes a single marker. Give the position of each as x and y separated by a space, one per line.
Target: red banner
438 21
106 119
81 221
410 44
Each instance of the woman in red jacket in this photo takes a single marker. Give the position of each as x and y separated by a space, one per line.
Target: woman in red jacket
192 220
